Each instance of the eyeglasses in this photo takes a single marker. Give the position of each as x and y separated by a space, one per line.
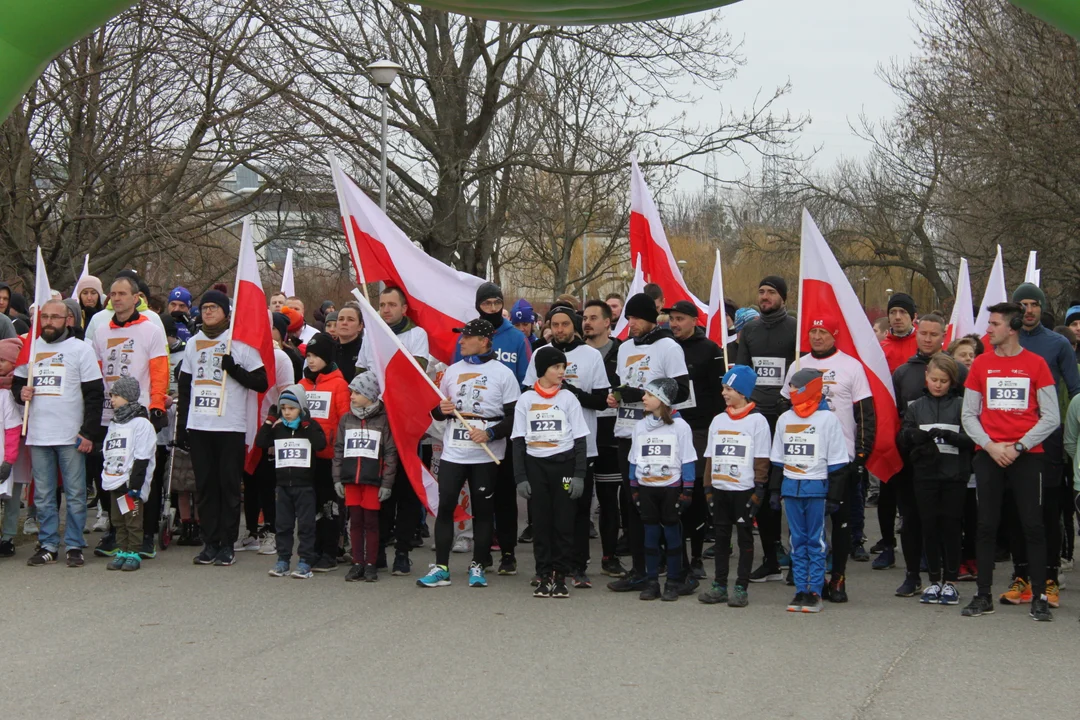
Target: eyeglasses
51 318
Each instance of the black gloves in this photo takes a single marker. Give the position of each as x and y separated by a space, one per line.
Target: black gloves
5 471
158 419
948 436
631 395
227 363
915 436
685 498
754 503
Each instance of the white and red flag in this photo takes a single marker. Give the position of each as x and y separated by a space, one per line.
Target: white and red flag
288 284
251 326
995 293
440 298
824 289
716 329
409 397
637 285
649 244
42 295
962 320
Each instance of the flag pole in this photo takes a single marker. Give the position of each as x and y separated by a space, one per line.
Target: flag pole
30 368
360 297
802 272
722 311
346 219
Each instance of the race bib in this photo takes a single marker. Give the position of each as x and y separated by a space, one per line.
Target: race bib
800 450
943 447
49 380
292 452
206 399
459 434
361 443
1007 393
770 371
319 404
731 457
546 426
656 460
607 412
629 414
115 451
689 403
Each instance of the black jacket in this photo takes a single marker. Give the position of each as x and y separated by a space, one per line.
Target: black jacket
309 429
345 357
605 426
705 363
920 449
909 380
771 335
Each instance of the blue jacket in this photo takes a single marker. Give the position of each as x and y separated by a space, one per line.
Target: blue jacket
510 347
1058 354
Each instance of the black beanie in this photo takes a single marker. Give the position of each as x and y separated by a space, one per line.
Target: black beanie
777 283
547 356
281 324
218 298
487 291
567 311
904 302
322 346
642 307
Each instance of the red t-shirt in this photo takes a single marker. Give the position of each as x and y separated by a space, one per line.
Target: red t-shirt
1009 386
899 350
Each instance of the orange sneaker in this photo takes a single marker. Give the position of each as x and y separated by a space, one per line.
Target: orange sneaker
1052 594
1019 593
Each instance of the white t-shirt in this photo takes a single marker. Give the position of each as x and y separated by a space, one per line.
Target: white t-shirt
306 333
56 412
202 360
127 351
844 383
659 452
479 393
549 427
585 371
124 444
637 365
104 316
808 446
414 339
733 446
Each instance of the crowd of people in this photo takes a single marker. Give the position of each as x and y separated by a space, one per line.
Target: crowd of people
139 411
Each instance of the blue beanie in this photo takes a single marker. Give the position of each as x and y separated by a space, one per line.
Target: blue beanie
743 316
741 379
522 312
182 294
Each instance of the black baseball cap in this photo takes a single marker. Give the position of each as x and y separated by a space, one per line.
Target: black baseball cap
684 307
477 328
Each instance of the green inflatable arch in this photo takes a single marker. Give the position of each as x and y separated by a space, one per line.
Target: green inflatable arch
32 33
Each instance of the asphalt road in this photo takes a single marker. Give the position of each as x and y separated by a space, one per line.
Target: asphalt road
177 640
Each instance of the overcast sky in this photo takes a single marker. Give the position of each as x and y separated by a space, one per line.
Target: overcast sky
830 50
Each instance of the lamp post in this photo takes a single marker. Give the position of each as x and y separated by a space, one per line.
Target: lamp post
383 74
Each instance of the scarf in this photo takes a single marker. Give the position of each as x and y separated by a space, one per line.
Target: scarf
564 348
496 319
292 424
774 317
546 394
740 414
132 410
213 331
809 400
654 423
366 412
400 327
822 355
314 376
479 359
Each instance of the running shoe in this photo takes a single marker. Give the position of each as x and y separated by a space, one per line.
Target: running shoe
371 573
885 560
543 588
783 557
30 526
651 591
225 557
979 605
477 578
75 558
508 566
878 547
559 590
1040 610
1052 594
797 602
628 583
910 587
462 544
949 595
612 567
402 564
671 591
117 562
248 542
688 586
710 552
1019 593
101 524
715 595
697 569
148 551
582 581
437 576
324 564
355 574
526 535
1067 565
206 557
859 554
812 603
931 595
132 562
280 569
106 547
535 582
593 532
738 597
7 549
302 571
765 573
965 572
837 589
268 544
41 557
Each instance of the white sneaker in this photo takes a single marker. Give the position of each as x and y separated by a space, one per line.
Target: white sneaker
102 523
30 527
462 544
268 544
1066 566
248 542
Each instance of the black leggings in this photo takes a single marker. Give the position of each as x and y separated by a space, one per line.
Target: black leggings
607 498
886 512
841 535
635 531
217 459
554 515
1022 478
770 522
911 531
505 507
482 483
696 516
581 522
259 495
329 511
728 507
971 523
400 515
941 507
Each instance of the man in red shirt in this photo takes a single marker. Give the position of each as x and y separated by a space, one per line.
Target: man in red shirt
900 344
1010 407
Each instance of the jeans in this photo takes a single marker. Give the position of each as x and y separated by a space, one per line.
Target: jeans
47 461
9 526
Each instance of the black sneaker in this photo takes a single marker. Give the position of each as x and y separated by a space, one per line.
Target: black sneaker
324 564
671 591
611 567
508 565
710 552
355 574
836 590
544 587
622 547
206 557
558 587
148 551
859 554
402 564
688 586
424 531
582 581
106 547
879 547
535 582
911 586
1040 609
7 549
75 558
766 573
629 583
380 560
371 573
697 569
225 557
979 605
789 578
651 591
41 557
526 535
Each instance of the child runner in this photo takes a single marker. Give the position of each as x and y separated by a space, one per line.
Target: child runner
365 466
129 453
293 439
662 458
809 445
738 471
550 428
934 445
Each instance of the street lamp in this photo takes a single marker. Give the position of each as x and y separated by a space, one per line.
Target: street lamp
383 74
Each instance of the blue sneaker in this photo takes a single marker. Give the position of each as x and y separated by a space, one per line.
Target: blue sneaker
281 569
886 560
931 595
783 558
302 571
437 576
949 595
476 576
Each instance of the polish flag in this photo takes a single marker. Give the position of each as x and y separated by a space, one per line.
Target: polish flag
42 295
823 288
409 397
716 329
995 293
249 306
962 321
649 243
1033 274
637 285
288 285
85 270
440 298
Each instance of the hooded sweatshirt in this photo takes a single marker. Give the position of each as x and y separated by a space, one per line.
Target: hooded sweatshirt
509 347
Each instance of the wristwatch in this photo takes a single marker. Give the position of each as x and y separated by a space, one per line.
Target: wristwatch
1019 447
